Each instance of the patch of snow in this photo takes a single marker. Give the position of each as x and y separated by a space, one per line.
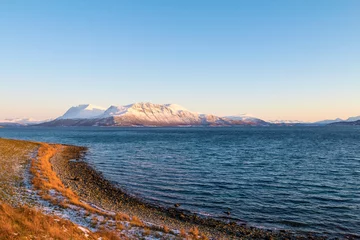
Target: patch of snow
85 231
324 122
286 121
150 112
353 119
23 121
176 107
242 117
115 111
84 111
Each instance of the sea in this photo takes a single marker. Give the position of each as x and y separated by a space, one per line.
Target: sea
304 179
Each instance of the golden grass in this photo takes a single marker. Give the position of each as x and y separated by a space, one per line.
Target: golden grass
183 233
13 157
165 229
22 222
135 221
147 231
122 217
15 223
108 235
45 178
194 231
120 226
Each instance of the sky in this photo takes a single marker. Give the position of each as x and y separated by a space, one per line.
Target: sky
280 59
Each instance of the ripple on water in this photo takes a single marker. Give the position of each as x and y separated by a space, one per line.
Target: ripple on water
298 178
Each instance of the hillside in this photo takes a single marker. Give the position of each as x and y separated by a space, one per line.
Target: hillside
145 114
353 123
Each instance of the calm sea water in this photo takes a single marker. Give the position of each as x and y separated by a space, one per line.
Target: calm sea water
298 178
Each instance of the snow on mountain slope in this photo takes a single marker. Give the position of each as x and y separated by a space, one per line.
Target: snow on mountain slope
245 119
324 122
350 121
114 111
242 117
22 121
144 114
337 120
85 111
143 110
286 121
353 119
176 107
156 114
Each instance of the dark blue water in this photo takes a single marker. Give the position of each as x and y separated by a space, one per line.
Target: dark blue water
298 178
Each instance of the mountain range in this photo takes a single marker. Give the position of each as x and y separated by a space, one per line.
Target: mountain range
155 115
144 114
346 123
16 122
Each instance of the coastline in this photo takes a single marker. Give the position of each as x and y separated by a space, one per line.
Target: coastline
95 189
82 187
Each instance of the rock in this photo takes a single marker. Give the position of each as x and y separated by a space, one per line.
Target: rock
177 205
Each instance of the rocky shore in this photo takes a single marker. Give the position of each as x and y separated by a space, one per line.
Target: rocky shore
93 188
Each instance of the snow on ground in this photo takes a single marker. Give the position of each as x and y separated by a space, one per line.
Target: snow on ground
88 221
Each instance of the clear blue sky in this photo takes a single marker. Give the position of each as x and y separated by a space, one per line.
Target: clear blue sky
297 59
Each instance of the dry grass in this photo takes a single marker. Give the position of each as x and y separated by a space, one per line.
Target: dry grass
183 233
135 221
17 223
147 231
194 231
165 229
20 222
122 217
45 179
23 222
13 157
120 226
108 235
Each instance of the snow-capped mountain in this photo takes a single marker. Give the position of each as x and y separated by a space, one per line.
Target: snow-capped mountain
286 121
348 122
325 122
241 117
144 114
338 120
353 119
21 121
246 118
150 114
159 114
84 111
139 109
